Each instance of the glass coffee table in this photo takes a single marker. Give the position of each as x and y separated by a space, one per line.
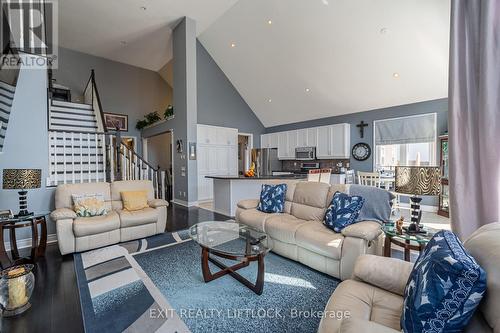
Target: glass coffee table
233 241
408 241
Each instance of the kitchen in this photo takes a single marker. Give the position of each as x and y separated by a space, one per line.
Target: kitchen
284 155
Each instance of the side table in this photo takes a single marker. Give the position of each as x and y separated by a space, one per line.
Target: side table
38 242
408 241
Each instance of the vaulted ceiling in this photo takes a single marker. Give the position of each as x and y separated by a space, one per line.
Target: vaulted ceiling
291 60
136 32
297 60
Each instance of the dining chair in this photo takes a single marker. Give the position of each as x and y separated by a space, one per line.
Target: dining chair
325 175
369 178
349 177
314 175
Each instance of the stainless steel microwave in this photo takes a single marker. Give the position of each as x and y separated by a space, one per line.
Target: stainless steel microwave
305 153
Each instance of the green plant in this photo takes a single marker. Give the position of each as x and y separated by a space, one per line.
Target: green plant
141 124
169 112
152 117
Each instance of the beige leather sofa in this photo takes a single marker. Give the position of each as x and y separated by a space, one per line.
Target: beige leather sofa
299 233
76 234
374 296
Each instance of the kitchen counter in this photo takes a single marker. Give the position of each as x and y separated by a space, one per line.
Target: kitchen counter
229 190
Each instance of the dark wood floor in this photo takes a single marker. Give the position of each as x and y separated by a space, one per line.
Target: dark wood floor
55 301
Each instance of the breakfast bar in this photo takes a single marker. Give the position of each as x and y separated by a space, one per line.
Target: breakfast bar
228 190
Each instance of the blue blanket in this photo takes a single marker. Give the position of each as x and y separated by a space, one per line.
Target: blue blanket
377 206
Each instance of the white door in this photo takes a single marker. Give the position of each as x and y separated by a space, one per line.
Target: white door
323 144
302 138
233 160
282 145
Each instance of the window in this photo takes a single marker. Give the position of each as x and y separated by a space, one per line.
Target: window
405 141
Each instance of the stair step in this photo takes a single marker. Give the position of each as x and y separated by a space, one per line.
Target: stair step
7 96
71 115
63 127
71 105
7 87
73 122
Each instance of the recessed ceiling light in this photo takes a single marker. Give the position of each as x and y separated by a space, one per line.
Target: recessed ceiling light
269 100
325 2
270 22
233 45
308 90
143 8
383 31
395 75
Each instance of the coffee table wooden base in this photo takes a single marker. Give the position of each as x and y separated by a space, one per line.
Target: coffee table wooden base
256 287
407 246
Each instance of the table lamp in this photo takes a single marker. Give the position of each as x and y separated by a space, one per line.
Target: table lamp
417 181
22 179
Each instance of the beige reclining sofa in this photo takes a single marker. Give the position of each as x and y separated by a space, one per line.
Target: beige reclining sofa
299 233
372 300
76 234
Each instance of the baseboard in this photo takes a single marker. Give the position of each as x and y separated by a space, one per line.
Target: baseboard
185 203
424 208
24 243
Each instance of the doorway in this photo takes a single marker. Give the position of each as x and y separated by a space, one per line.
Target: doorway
158 151
245 145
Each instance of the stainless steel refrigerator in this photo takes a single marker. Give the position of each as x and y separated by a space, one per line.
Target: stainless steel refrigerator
266 161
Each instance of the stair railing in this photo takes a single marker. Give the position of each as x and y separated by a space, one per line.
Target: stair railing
91 96
130 166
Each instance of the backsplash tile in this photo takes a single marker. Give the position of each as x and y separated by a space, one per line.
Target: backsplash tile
294 165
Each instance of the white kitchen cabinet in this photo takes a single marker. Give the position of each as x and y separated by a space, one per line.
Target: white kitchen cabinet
302 138
265 141
273 140
282 145
323 142
312 137
333 141
291 144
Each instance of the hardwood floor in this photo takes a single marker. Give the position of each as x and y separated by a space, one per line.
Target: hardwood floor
55 301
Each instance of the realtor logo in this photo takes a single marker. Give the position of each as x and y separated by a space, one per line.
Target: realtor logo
29 33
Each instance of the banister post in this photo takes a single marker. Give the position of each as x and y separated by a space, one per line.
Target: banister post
118 138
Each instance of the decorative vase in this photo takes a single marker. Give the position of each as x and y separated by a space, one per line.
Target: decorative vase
16 287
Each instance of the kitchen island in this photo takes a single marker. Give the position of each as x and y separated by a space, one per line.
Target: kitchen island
229 190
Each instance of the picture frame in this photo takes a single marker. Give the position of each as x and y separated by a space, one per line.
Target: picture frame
116 121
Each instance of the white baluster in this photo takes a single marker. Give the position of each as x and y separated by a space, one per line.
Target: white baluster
54 174
88 155
163 188
73 156
96 137
64 156
103 149
81 158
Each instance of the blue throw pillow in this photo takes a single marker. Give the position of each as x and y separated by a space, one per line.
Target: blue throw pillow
272 198
343 211
444 288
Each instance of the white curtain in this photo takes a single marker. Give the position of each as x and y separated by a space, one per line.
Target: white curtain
474 115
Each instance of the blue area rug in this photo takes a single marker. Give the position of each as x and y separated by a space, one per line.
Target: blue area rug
126 287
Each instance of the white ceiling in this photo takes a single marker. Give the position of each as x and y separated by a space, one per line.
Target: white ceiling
345 51
97 27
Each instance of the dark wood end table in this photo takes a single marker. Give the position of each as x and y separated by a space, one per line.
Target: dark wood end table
233 241
38 239
408 241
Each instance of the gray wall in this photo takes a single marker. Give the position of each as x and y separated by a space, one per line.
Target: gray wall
219 103
184 123
439 106
159 151
122 88
26 144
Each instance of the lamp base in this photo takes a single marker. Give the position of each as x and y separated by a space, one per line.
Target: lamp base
23 205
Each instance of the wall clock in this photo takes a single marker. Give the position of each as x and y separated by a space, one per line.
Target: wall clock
361 151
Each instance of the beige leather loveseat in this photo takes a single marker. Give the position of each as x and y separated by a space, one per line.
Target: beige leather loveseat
299 233
76 234
373 298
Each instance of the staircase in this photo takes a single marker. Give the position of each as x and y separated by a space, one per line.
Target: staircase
6 98
82 150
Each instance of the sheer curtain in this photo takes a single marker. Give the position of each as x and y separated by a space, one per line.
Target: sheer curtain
474 115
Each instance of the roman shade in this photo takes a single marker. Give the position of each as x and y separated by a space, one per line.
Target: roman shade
414 129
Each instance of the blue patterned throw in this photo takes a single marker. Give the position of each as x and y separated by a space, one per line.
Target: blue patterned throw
444 288
272 198
343 211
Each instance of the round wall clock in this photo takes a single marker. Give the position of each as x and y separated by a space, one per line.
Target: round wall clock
361 151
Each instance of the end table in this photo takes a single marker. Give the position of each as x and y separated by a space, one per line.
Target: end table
408 241
38 242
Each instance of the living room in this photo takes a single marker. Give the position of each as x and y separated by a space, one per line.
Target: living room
233 166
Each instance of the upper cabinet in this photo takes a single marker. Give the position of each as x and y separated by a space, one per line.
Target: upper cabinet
332 141
214 135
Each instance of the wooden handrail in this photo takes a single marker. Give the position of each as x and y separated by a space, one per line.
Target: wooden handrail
101 110
140 157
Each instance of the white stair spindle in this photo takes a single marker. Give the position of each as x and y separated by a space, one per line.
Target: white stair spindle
103 150
88 155
73 157
81 158
111 160
96 137
64 156
163 174
54 169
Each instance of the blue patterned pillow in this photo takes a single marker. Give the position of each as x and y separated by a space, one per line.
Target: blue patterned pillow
444 288
272 198
343 211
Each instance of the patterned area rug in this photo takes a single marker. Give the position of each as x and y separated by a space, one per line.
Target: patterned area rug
156 285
